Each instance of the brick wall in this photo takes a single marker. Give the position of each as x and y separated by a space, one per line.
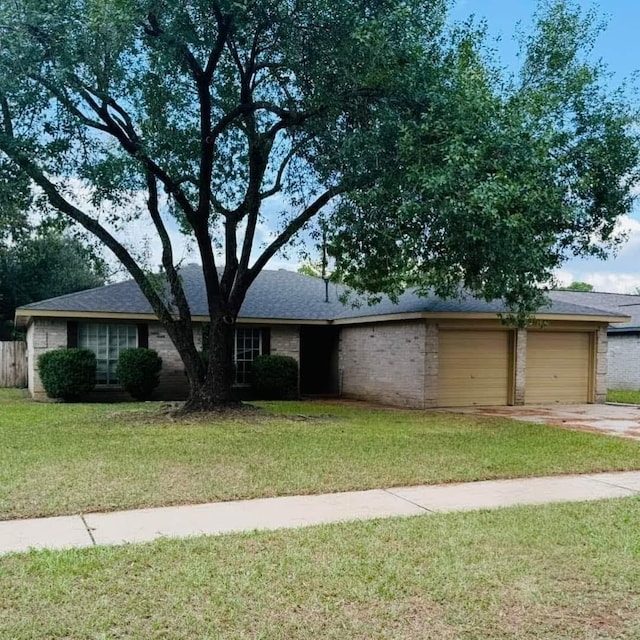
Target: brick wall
385 362
520 366
395 363
624 361
285 341
43 335
173 381
602 368
432 346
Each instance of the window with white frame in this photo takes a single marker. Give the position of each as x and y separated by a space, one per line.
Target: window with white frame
107 341
248 346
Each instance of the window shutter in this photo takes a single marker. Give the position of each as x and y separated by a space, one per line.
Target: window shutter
72 334
266 341
143 336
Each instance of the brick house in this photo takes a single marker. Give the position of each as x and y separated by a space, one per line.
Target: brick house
419 352
623 362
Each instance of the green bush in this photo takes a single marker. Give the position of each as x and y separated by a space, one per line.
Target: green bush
275 377
138 371
67 373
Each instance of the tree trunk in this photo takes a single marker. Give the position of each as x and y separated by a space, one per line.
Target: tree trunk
213 391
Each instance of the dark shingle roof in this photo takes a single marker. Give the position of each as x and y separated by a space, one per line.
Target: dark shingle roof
616 303
284 295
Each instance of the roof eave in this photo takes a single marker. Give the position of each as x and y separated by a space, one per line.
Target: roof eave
630 329
23 316
476 315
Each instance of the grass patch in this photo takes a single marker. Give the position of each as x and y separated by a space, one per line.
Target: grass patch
628 397
60 459
555 571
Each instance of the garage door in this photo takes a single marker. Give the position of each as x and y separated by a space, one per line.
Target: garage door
558 367
474 368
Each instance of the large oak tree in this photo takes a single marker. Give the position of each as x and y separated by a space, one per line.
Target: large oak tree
430 167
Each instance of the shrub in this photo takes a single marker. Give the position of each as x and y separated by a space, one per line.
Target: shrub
138 371
67 373
275 377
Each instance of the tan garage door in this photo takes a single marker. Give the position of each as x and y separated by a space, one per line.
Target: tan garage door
558 367
474 368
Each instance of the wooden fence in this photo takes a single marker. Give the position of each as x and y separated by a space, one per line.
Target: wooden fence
13 364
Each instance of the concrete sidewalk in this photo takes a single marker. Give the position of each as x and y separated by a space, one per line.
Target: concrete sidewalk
143 525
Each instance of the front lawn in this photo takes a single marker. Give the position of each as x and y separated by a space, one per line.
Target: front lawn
628 397
551 572
60 459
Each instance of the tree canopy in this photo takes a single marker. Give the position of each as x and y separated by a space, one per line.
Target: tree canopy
244 120
44 266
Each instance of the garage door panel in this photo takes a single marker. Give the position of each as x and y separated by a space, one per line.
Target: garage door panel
558 367
474 368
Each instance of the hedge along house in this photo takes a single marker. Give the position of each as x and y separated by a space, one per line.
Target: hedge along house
421 352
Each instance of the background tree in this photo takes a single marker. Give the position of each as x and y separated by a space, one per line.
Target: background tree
430 167
578 286
44 266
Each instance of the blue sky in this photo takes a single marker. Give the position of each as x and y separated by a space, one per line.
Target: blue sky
618 47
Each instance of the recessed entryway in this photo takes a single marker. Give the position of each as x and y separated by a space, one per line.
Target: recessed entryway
319 360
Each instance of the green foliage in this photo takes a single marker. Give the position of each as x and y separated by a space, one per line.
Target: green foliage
275 377
44 266
310 268
500 179
578 286
67 374
430 165
138 372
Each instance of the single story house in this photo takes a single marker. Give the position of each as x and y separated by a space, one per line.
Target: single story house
623 367
421 352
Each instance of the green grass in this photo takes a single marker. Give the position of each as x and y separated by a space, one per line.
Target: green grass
628 397
60 459
552 572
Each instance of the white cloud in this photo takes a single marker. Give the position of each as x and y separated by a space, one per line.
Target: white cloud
614 282
619 273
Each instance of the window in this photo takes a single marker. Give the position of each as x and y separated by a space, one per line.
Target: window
247 348
107 341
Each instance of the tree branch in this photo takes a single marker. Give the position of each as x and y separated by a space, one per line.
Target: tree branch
69 104
290 230
277 185
7 122
131 143
91 225
218 48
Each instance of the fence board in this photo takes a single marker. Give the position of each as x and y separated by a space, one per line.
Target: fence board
13 364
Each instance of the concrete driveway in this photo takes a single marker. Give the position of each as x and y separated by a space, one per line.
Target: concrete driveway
611 419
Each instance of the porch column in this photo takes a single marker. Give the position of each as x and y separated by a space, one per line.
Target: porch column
601 365
431 366
520 366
